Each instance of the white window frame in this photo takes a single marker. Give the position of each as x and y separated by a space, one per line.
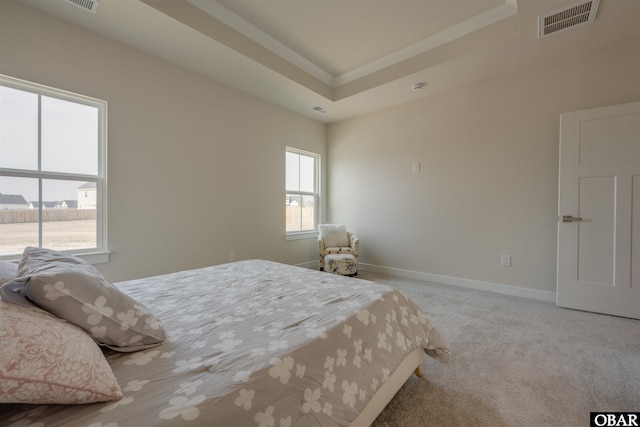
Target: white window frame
306 234
99 254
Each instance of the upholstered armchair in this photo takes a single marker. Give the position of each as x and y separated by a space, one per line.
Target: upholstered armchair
335 239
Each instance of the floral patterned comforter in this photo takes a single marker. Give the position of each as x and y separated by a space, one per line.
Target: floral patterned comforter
254 343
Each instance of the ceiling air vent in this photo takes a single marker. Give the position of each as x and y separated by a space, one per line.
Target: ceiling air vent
88 5
320 110
567 17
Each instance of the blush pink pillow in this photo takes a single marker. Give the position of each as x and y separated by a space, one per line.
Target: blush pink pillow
47 360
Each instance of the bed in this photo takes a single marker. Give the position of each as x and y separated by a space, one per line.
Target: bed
256 343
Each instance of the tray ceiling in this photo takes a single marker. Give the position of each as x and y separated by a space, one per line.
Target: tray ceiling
347 57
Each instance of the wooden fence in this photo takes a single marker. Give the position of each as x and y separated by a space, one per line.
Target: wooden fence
299 218
11 216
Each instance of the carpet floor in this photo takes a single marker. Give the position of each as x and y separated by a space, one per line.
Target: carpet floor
515 362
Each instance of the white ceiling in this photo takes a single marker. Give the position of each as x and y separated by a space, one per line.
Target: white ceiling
349 57
341 36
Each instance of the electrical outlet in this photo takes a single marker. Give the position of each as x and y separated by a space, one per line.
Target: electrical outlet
505 261
232 255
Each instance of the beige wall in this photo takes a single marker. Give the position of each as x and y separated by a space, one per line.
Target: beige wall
195 169
488 184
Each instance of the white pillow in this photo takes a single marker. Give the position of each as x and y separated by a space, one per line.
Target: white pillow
334 235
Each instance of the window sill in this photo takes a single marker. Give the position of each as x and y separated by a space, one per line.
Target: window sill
301 235
98 257
101 257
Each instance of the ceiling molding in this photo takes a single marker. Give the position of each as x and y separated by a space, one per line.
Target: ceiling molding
454 32
226 27
443 53
252 32
215 29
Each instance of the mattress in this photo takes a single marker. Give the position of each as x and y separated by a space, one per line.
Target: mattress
255 343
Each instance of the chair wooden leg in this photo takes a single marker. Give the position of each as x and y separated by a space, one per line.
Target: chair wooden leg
418 372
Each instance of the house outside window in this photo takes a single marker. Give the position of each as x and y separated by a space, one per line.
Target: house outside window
302 192
52 152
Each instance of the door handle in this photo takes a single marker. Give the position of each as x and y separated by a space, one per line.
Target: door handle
570 218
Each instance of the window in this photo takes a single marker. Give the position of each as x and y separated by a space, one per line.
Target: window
52 170
302 191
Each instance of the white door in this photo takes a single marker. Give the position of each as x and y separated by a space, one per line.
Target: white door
599 210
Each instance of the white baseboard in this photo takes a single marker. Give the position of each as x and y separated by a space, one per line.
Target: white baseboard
467 283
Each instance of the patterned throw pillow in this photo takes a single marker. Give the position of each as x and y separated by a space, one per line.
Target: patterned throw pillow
74 290
46 360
